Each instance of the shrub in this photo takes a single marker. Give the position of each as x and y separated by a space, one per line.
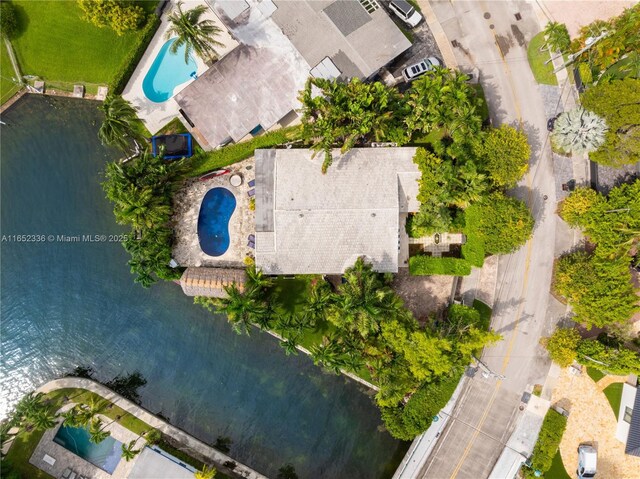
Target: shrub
473 250
428 265
549 439
118 15
416 416
577 205
8 21
122 76
585 73
619 360
562 345
505 154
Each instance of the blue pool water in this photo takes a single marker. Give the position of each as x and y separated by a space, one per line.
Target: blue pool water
105 455
167 71
213 221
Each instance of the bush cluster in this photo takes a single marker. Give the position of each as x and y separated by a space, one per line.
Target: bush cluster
618 360
122 76
8 20
428 265
549 439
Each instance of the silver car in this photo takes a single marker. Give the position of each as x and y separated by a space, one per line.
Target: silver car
414 71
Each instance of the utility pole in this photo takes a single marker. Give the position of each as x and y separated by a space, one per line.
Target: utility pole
589 43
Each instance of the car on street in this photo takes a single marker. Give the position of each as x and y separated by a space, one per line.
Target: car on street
406 12
418 69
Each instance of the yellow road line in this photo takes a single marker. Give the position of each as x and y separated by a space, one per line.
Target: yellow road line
525 282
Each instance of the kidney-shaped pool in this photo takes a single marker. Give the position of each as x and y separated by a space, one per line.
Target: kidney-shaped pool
216 210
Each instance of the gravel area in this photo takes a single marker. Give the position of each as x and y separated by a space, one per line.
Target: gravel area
591 420
423 295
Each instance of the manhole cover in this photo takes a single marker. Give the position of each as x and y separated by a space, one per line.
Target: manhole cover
487 15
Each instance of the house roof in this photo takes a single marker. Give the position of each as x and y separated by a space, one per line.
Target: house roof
633 439
309 222
210 282
357 35
250 86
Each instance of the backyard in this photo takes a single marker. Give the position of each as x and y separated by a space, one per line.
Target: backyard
54 43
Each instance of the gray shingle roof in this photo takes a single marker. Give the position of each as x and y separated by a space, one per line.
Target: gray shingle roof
307 222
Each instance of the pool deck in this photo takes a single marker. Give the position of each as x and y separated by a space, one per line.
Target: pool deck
187 201
157 115
67 459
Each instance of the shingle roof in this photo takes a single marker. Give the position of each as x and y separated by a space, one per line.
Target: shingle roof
633 439
309 222
211 281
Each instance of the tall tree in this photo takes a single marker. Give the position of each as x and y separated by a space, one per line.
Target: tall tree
96 432
194 33
504 153
340 115
129 451
205 473
118 126
557 36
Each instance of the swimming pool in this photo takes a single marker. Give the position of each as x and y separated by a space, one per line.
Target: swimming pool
105 455
167 71
216 210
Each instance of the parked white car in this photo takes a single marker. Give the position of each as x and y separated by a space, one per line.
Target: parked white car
414 71
405 11
587 461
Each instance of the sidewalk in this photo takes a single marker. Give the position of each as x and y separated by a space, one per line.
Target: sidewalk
438 33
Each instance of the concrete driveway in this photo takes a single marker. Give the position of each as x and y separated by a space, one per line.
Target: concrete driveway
493 37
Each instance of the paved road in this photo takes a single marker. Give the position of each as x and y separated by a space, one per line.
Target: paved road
495 41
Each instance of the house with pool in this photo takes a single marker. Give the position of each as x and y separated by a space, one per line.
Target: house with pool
270 49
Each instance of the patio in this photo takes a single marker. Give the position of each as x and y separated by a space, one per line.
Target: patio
187 202
54 459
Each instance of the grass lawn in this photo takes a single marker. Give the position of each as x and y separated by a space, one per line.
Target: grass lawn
557 470
56 44
485 312
595 374
542 73
7 87
614 396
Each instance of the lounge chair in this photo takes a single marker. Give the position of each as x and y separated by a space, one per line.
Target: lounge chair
49 460
252 183
66 473
251 192
252 238
251 244
72 475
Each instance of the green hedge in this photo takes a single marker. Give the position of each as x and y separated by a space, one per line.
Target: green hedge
228 155
619 360
428 265
473 250
122 76
549 439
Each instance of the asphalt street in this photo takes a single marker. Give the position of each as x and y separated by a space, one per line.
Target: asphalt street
493 36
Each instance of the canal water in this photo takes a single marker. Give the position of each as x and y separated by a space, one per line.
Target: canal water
66 303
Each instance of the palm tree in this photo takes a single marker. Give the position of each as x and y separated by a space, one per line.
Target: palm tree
193 33
318 300
118 127
242 309
96 432
43 420
129 451
557 36
579 131
289 346
205 473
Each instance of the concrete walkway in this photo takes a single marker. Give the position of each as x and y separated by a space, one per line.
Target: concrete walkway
213 455
438 33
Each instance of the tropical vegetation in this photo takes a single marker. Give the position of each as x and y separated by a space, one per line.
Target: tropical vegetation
562 346
557 36
119 126
597 283
141 191
364 328
504 153
194 33
578 132
618 103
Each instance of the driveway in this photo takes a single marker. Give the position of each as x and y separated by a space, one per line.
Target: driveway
591 419
493 37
